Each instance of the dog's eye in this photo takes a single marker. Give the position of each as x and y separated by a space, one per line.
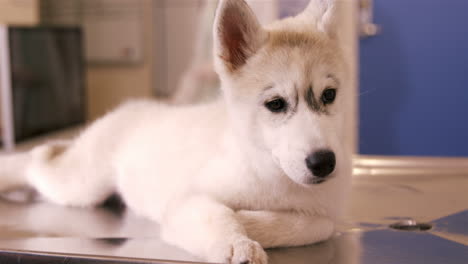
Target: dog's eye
276 105
328 96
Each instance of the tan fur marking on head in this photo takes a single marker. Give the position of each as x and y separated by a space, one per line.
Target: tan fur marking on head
291 39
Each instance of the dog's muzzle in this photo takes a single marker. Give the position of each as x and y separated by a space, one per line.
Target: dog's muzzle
321 164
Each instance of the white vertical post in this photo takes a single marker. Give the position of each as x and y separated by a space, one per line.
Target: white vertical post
6 104
350 41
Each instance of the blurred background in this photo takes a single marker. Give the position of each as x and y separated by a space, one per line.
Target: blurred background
68 62
414 79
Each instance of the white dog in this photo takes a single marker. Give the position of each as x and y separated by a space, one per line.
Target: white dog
265 166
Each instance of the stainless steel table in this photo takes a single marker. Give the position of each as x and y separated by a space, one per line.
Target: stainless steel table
402 210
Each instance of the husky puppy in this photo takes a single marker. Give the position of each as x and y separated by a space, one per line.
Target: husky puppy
265 166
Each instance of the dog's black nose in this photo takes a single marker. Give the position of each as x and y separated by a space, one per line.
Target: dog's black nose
321 163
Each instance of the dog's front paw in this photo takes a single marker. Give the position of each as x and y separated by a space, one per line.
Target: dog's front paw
242 251
248 252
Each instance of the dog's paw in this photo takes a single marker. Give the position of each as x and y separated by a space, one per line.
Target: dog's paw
242 251
247 252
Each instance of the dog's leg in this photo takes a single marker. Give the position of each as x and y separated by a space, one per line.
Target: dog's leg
70 174
279 229
59 172
210 230
12 171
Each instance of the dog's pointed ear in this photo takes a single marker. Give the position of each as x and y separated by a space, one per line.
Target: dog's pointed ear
324 14
237 34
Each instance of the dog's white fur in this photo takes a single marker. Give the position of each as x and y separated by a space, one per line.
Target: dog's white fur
227 178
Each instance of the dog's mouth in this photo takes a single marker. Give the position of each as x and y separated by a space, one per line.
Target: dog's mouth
317 181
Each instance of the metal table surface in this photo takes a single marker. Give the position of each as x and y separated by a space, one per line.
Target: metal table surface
410 192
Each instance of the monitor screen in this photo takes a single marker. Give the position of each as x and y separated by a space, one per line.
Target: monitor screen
47 78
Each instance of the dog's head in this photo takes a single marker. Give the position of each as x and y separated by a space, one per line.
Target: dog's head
284 87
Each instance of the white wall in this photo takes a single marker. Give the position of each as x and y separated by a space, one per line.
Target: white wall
108 85
19 11
175 31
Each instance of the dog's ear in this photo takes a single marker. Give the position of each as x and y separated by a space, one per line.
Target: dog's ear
237 34
324 14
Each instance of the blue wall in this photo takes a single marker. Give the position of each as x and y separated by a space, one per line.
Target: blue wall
414 79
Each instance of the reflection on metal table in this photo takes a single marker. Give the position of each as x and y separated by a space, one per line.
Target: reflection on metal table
402 210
